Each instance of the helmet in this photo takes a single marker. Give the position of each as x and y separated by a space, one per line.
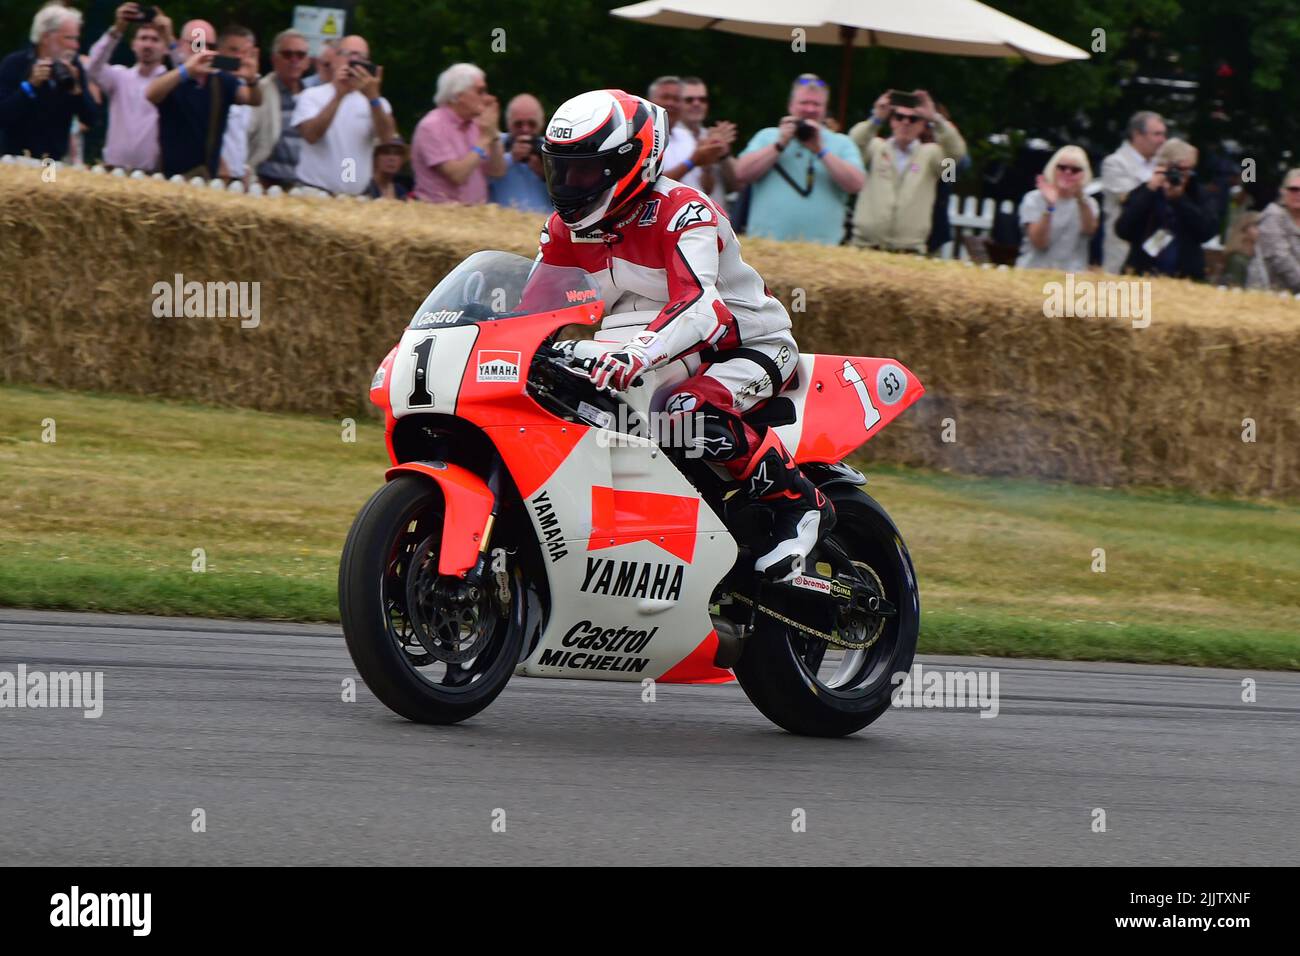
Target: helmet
602 150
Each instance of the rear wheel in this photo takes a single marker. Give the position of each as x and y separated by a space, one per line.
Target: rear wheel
811 686
430 647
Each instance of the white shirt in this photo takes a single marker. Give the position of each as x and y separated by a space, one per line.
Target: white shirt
1121 172
342 160
902 156
234 144
681 144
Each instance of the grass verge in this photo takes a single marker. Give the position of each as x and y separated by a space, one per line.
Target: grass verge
109 515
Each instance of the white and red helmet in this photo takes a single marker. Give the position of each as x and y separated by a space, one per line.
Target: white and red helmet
602 150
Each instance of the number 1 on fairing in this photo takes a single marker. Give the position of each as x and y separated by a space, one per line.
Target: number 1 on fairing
870 413
420 395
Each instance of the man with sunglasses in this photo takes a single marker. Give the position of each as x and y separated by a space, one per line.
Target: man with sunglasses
802 173
273 145
895 210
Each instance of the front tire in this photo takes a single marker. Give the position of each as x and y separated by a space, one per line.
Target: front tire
391 554
785 672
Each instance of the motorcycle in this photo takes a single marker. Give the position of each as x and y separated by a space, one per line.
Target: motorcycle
532 525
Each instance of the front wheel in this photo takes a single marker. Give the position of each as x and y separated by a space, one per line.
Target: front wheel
430 647
810 686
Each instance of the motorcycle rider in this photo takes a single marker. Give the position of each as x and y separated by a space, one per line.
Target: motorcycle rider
678 293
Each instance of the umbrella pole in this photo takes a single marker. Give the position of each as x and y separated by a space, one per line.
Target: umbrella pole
846 69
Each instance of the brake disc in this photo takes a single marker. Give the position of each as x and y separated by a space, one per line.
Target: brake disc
447 616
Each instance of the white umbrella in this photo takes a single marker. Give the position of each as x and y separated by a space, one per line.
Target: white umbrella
955 27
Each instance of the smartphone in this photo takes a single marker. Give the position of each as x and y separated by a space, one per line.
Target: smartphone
904 99
367 66
227 64
146 14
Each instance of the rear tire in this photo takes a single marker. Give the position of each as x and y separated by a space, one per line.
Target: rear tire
372 575
773 668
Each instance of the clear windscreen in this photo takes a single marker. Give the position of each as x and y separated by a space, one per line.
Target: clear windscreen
493 285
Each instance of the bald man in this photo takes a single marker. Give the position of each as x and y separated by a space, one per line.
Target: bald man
523 185
342 121
189 134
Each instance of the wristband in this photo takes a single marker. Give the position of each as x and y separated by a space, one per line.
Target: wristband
690 164
377 101
481 152
27 88
185 74
1051 208
825 150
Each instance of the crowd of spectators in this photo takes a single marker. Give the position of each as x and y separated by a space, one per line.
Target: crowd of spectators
195 103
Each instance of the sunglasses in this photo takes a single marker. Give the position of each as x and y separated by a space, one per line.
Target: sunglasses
1074 170
292 54
695 99
905 117
1293 189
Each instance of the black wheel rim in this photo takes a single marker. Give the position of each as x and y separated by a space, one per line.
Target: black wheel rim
447 647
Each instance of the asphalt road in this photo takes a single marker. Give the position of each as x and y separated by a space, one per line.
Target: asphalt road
247 722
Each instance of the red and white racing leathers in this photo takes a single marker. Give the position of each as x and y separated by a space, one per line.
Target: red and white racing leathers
672 266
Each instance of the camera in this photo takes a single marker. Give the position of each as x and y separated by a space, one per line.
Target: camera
805 131
146 14
1174 176
535 142
64 78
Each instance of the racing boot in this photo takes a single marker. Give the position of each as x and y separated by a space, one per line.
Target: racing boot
801 513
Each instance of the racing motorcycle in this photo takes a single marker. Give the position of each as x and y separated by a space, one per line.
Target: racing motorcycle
533 525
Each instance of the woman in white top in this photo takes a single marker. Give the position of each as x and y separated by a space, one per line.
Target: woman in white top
1057 218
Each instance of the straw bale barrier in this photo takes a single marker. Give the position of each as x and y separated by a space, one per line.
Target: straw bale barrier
1091 400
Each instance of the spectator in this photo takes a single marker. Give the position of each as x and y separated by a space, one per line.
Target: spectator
194 101
324 74
132 120
1243 267
458 143
1123 171
718 178
390 157
1279 236
341 122
802 173
1058 218
896 209
685 153
1165 221
43 86
523 185
273 143
241 43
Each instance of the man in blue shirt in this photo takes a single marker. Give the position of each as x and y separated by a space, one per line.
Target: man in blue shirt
802 173
43 86
194 99
523 185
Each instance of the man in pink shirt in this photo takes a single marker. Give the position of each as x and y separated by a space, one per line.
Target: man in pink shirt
457 145
132 120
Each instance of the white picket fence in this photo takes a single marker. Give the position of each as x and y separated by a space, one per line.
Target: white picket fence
969 216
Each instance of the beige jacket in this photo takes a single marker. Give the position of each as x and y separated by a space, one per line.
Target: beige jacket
266 123
895 211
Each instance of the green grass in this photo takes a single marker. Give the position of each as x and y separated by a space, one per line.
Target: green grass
106 518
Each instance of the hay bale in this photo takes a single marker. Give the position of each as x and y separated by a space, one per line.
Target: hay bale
1082 399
